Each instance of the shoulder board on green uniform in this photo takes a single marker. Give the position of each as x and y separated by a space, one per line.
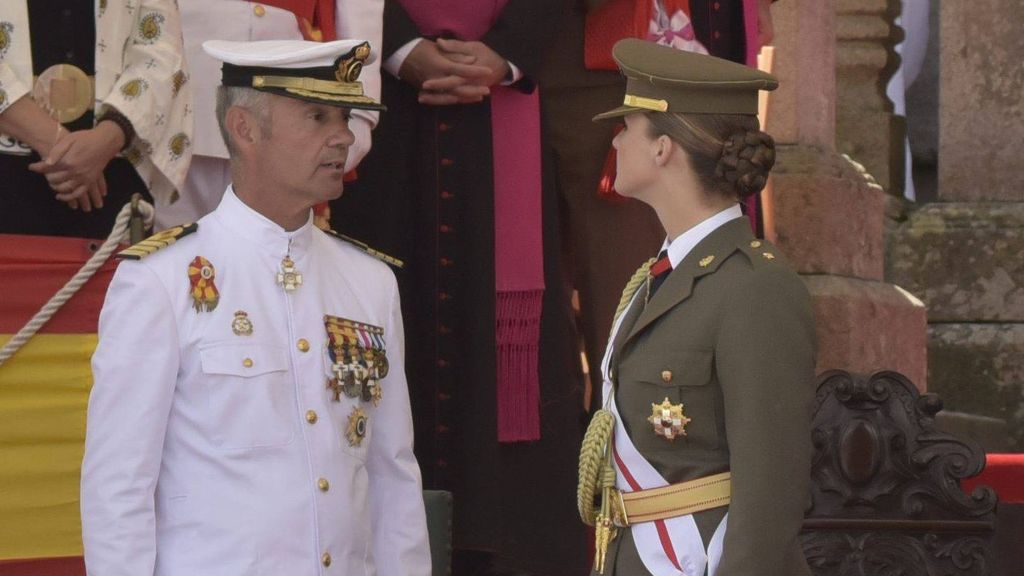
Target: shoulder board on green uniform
362 246
157 241
761 251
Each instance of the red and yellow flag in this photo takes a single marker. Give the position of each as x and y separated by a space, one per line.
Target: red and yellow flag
44 392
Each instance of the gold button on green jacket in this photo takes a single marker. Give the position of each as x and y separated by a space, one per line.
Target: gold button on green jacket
730 336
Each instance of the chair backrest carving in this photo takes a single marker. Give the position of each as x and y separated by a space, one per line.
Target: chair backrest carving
885 491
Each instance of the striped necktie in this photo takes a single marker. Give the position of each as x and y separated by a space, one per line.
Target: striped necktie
659 272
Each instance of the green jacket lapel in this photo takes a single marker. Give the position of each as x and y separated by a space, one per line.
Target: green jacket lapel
704 259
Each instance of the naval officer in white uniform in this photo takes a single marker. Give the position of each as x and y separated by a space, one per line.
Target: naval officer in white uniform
250 413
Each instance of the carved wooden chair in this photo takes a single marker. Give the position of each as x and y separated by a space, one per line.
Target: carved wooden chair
885 490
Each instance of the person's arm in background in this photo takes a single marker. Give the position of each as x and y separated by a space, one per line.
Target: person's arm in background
363 19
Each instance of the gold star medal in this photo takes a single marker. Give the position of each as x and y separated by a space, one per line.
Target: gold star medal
356 431
668 420
241 325
201 287
289 277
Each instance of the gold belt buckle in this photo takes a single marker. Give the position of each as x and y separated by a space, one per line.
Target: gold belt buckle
619 516
65 91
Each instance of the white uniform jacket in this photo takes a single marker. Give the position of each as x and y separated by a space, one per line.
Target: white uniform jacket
140 72
241 20
215 447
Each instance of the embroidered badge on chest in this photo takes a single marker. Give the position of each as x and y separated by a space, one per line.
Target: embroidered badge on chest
241 325
359 359
289 277
356 430
668 420
204 293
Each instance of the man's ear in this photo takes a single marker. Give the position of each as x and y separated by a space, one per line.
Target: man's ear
243 127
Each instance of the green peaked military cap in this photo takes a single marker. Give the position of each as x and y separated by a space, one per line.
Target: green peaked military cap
664 79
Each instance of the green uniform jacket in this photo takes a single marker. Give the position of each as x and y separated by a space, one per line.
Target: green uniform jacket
730 335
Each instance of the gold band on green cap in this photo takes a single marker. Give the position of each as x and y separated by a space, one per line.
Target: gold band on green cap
657 105
663 79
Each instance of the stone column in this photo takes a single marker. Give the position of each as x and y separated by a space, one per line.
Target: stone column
828 213
964 255
866 128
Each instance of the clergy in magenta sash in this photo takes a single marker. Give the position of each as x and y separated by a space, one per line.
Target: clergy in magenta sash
699 462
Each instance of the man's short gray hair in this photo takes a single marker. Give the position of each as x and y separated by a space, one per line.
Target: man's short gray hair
243 97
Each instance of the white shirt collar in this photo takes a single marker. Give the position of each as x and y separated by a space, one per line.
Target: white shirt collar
262 232
685 242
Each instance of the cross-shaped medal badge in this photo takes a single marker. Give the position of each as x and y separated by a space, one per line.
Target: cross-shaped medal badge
668 420
289 277
344 381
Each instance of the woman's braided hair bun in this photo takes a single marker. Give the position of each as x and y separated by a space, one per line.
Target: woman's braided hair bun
747 157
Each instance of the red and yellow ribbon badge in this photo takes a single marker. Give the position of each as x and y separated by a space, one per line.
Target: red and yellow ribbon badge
204 292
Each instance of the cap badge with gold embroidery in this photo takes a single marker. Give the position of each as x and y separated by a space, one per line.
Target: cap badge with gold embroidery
668 420
356 430
289 277
241 325
201 285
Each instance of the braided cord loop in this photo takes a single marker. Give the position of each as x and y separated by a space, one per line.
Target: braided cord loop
595 462
639 277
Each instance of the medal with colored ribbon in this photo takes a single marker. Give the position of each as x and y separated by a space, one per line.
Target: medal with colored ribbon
358 358
201 287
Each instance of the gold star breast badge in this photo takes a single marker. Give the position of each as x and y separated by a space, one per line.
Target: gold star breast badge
356 430
668 420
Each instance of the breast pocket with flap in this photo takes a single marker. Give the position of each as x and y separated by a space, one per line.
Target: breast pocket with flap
249 394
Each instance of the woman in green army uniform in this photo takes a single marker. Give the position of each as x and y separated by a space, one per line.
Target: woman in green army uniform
701 458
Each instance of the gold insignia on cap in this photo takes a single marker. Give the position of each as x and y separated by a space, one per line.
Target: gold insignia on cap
668 420
349 69
356 430
707 260
768 255
646 103
241 325
289 277
755 243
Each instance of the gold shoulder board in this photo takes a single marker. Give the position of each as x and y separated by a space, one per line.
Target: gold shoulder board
362 246
157 241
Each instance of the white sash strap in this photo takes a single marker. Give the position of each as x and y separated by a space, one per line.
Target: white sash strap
670 547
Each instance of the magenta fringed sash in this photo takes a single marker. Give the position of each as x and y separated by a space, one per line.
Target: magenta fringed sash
518 236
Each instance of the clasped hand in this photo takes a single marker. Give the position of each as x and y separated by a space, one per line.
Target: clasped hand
74 166
453 71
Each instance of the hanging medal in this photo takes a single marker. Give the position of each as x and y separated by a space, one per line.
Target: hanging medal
201 285
289 277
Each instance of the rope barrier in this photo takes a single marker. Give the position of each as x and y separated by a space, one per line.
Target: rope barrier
118 234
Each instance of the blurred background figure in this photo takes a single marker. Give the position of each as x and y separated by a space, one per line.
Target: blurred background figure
455 186
242 20
90 114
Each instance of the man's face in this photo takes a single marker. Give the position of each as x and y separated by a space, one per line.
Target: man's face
303 153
